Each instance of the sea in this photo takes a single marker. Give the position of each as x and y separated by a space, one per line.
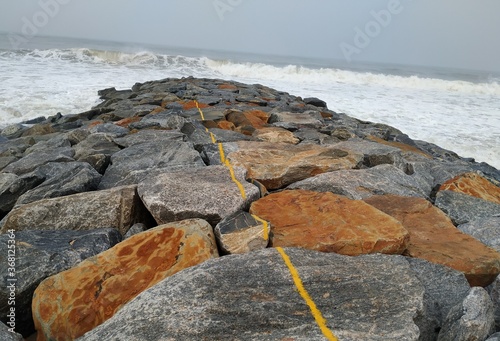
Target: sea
453 108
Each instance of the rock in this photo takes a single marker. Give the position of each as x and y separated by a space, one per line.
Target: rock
6 335
119 208
149 135
40 254
96 150
434 237
494 337
462 208
364 183
110 129
276 165
275 135
164 119
135 229
197 134
222 135
138 162
444 288
13 186
208 193
62 179
290 120
309 135
485 230
253 297
13 131
329 223
494 292
241 232
473 319
34 160
97 288
39 129
315 101
475 185
7 160
16 147
59 141
253 118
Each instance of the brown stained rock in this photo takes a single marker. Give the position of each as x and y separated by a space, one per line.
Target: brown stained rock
226 125
126 121
73 302
253 118
187 105
433 237
403 146
275 135
227 86
330 223
276 165
474 185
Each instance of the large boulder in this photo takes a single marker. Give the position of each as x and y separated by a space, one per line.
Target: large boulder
140 161
330 223
67 305
208 193
96 149
149 135
475 185
119 208
40 254
253 297
434 237
13 186
462 208
363 183
33 160
7 335
485 230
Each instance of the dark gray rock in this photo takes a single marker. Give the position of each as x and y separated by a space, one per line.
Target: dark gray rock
315 101
364 183
40 254
290 120
96 150
308 135
196 134
34 160
13 186
241 232
7 160
138 162
486 230
222 135
462 208
164 119
3 139
253 297
444 289
494 337
208 193
148 136
62 179
109 128
59 141
16 147
6 335
473 319
13 131
494 292
135 229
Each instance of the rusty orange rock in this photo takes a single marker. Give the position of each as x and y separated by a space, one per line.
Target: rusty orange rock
226 125
434 237
330 223
69 304
227 86
474 185
187 105
402 146
253 118
126 121
275 135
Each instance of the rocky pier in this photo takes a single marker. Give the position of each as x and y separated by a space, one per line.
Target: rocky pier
207 209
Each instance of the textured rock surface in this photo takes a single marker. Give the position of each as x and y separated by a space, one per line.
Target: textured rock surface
13 186
118 208
97 288
462 208
373 297
309 118
140 161
364 183
31 161
276 165
148 136
330 223
486 230
494 292
6 335
96 149
434 237
41 254
475 185
241 232
275 135
494 337
374 153
208 193
472 319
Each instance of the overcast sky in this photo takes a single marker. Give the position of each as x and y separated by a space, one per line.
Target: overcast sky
453 33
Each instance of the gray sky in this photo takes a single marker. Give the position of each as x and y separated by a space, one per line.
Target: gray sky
452 33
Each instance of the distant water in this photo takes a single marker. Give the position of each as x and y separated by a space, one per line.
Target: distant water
455 109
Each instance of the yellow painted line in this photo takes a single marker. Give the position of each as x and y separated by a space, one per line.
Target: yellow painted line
222 154
199 109
266 226
212 136
320 320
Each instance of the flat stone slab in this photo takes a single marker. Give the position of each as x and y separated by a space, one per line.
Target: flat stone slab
329 223
434 237
208 193
67 305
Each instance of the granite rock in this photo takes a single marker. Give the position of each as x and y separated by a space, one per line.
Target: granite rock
32 161
475 185
149 135
96 149
290 120
462 208
486 230
275 135
6 335
13 186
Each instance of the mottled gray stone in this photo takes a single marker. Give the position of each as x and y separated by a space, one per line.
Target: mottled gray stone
309 135
40 254
211 154
253 297
34 160
164 119
149 135
462 208
494 291
62 179
135 229
486 230
7 160
6 335
444 289
241 232
208 193
222 135
119 208
364 183
473 319
13 186
13 131
16 147
310 118
96 149
138 162
494 337
109 128
196 134
59 141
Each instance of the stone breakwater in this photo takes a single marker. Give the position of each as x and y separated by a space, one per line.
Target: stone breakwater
204 209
